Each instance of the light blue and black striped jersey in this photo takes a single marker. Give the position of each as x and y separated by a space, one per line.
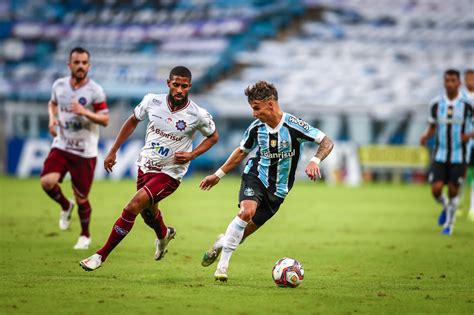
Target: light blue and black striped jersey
279 151
468 97
452 118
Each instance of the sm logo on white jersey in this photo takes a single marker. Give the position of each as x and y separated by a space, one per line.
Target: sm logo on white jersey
157 148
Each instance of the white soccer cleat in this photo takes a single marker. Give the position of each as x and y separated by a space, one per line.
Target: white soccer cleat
221 274
92 263
65 217
83 242
163 243
213 252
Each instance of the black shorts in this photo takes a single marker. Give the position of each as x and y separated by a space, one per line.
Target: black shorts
471 158
448 173
268 204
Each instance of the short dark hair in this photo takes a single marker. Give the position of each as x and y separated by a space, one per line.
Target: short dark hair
469 71
261 90
453 72
180 71
79 50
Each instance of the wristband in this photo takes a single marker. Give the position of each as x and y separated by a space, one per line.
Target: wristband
315 160
219 173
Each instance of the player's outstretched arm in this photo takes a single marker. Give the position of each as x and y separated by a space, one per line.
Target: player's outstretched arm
325 147
234 159
53 119
206 144
127 128
429 132
98 118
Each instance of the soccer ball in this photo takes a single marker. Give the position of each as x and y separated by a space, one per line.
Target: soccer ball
288 272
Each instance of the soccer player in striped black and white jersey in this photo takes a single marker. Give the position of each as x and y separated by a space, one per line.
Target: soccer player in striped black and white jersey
450 122
269 176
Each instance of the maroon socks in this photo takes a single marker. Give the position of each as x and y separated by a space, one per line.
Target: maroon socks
122 226
156 223
56 194
84 210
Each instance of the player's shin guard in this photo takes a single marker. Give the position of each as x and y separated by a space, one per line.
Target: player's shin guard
57 195
155 222
84 210
232 238
122 226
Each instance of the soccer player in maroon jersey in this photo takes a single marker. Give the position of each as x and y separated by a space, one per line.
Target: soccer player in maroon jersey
76 110
173 120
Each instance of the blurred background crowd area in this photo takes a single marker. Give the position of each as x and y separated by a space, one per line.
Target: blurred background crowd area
363 71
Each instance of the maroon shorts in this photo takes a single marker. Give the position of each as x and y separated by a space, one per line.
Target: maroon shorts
157 185
80 168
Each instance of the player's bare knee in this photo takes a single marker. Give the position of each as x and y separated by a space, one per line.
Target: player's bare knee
47 183
133 207
245 215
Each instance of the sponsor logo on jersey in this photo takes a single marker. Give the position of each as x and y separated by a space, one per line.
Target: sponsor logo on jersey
73 125
181 125
153 166
284 144
156 101
82 101
300 122
157 148
160 132
249 192
278 155
169 120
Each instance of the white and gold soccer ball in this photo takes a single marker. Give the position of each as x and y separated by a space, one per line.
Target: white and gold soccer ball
288 272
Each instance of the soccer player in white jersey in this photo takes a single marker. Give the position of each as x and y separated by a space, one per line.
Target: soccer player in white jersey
269 176
77 108
468 94
163 161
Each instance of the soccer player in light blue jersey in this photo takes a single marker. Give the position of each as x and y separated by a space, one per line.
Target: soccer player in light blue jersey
450 122
269 176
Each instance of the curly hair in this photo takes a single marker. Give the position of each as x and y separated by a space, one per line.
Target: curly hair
260 91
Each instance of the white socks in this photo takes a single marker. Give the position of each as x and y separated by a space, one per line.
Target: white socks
442 200
232 238
451 211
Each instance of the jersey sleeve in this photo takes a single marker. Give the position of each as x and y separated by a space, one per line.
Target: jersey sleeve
249 142
433 111
305 132
54 96
141 110
206 124
100 104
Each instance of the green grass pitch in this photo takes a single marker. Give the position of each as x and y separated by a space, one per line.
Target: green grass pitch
375 249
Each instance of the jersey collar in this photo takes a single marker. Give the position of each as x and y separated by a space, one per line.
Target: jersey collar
457 99
170 107
80 86
278 127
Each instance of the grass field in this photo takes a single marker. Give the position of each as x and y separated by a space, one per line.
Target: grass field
368 250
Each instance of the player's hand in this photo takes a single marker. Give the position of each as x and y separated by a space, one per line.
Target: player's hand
77 108
312 170
110 161
465 137
53 122
423 140
208 182
183 157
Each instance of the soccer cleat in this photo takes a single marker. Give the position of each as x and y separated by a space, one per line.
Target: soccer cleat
92 263
448 230
212 253
221 274
163 243
442 217
83 242
65 217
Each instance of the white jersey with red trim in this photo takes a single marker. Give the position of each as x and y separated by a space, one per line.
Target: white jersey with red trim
77 134
169 132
